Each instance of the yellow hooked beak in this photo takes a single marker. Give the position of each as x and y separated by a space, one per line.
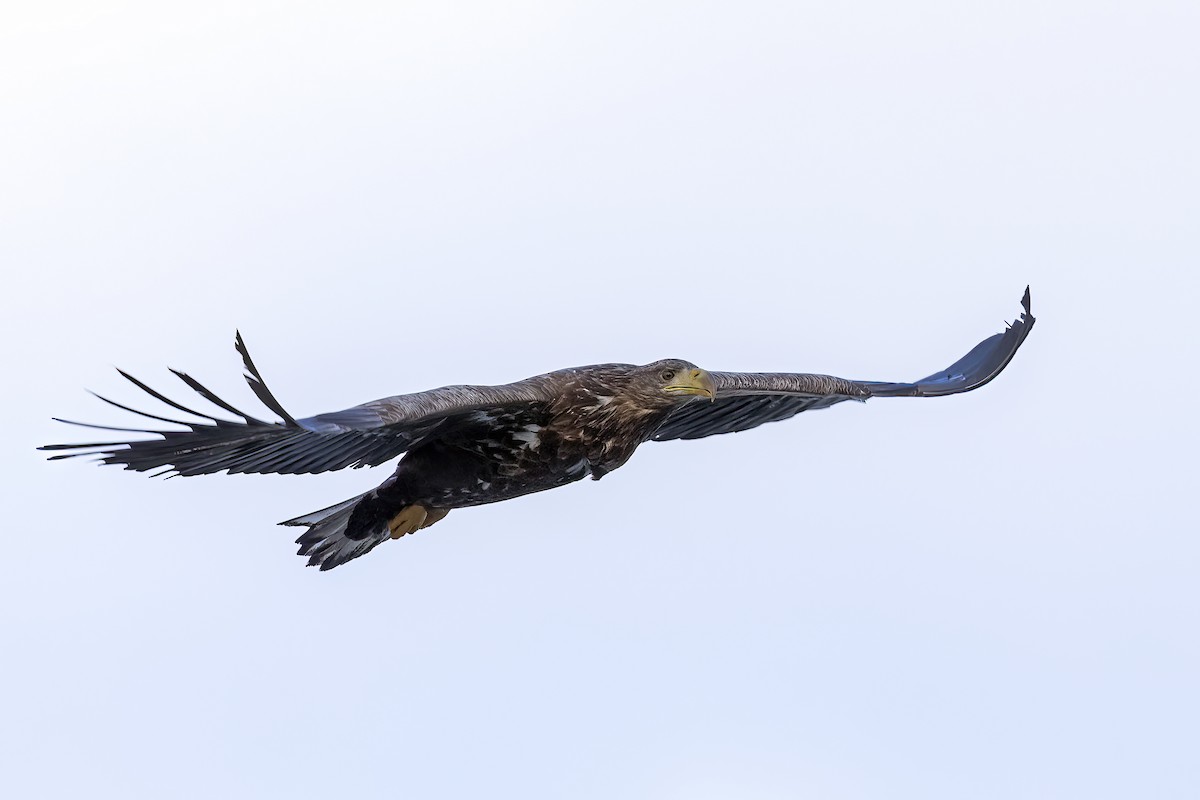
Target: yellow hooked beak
695 381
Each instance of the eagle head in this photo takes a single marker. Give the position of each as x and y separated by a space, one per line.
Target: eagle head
674 380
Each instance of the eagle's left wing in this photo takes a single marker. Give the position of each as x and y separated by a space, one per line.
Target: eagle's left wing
745 400
362 436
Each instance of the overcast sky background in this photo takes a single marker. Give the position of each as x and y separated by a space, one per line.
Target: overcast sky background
992 595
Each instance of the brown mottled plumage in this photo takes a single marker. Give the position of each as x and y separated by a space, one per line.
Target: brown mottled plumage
471 445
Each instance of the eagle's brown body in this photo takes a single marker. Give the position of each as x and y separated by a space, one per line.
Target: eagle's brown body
470 445
590 428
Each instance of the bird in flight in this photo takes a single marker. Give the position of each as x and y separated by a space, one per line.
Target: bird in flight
471 445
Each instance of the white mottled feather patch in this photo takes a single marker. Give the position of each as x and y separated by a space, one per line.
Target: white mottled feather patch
529 436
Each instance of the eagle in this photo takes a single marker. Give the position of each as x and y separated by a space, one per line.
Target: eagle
472 445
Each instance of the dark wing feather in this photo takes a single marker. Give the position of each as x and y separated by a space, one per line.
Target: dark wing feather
985 361
747 400
257 384
365 435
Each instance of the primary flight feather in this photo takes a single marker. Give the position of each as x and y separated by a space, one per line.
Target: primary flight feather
471 445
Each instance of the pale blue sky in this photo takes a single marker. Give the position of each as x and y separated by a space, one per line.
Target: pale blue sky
985 596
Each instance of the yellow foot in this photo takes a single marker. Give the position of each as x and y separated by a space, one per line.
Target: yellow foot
413 518
409 520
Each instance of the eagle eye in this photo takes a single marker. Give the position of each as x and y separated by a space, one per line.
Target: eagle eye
667 374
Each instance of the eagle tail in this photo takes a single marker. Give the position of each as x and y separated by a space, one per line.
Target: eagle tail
326 543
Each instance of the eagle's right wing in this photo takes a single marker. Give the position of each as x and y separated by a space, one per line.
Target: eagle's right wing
746 400
362 436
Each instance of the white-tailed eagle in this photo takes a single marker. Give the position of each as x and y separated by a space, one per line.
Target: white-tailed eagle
471 445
